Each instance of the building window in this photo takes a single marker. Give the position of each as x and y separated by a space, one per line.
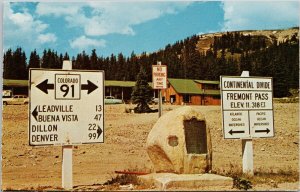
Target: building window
186 98
172 99
216 97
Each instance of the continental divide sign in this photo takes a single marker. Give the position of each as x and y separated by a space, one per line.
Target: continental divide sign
66 107
247 107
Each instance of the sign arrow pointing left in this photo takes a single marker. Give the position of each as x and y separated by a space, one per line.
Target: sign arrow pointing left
233 132
35 113
44 86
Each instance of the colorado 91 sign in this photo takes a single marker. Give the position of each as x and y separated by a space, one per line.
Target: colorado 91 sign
66 107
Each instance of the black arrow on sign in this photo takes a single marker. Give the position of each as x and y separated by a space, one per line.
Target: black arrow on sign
99 131
261 131
90 86
35 113
232 132
44 86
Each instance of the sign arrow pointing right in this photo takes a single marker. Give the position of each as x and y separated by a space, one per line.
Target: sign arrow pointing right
262 131
90 87
99 131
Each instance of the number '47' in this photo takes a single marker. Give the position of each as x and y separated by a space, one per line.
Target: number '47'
98 117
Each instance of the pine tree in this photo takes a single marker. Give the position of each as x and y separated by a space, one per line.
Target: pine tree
8 68
120 70
142 93
45 59
86 61
19 61
66 56
34 60
133 66
61 60
78 61
93 59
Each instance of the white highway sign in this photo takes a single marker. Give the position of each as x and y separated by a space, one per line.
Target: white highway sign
159 76
247 107
66 107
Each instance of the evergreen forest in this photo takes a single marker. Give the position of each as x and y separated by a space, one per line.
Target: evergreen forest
228 54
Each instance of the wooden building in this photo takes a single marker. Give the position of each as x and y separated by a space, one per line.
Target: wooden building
118 89
192 92
16 86
179 91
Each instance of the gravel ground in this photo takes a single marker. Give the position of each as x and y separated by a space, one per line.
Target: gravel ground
26 167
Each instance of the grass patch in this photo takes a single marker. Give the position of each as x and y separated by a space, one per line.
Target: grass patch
123 179
271 176
129 180
282 176
241 183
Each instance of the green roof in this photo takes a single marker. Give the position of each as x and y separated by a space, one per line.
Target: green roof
207 82
189 86
15 83
211 92
109 83
185 86
112 83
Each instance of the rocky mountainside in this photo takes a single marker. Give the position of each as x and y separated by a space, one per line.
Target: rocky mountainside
280 35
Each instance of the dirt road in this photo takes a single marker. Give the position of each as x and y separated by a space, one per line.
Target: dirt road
26 167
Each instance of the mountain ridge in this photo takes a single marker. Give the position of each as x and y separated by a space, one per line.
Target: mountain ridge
206 39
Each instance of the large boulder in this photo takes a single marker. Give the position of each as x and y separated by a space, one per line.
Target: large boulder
180 142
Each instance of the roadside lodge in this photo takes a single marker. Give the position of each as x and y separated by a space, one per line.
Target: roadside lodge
178 92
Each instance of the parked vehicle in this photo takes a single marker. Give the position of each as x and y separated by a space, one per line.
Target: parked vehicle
154 101
112 100
15 100
7 93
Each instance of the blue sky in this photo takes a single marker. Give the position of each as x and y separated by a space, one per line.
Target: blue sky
139 26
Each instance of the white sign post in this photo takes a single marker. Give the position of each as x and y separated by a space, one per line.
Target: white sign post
247 108
67 154
66 108
159 81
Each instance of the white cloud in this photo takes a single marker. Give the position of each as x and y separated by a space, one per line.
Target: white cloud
241 15
46 38
23 21
103 18
83 42
58 9
21 28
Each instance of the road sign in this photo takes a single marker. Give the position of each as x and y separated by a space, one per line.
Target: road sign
159 76
66 107
247 107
